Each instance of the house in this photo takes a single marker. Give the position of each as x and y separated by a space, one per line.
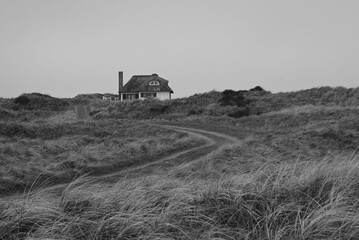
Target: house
144 86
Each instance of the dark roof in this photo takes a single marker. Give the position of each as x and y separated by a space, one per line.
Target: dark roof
141 83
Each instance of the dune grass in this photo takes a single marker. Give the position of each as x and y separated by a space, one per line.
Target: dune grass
297 132
63 151
293 175
230 103
303 200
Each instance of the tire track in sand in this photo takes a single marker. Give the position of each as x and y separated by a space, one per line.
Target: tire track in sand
214 141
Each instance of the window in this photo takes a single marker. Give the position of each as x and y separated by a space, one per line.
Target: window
146 95
154 83
128 96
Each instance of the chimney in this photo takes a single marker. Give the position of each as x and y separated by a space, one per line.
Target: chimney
120 82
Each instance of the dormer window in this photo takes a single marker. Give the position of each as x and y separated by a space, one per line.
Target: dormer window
154 83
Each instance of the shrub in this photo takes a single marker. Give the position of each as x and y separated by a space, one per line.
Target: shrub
233 98
22 100
257 88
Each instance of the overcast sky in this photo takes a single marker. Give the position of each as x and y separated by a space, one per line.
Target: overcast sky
67 47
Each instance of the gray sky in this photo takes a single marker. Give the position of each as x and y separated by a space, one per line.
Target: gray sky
67 47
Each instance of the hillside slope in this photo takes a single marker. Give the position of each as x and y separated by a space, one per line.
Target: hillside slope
293 175
228 103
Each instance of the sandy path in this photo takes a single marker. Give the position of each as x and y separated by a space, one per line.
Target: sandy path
214 141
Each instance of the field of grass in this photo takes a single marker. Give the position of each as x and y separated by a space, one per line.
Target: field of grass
59 147
293 175
305 200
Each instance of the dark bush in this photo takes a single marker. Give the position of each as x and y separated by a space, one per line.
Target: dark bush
23 100
228 92
233 98
226 100
257 88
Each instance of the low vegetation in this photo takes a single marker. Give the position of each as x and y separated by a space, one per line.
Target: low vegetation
306 200
58 152
292 175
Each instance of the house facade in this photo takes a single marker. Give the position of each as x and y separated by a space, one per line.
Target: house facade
144 86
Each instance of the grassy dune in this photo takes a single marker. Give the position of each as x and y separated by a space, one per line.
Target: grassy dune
290 201
59 152
293 175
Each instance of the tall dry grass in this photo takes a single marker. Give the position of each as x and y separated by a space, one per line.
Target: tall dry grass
303 200
308 109
61 151
293 176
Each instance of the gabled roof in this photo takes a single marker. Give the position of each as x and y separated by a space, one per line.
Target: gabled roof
141 83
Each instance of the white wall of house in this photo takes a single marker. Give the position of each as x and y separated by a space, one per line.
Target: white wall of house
163 95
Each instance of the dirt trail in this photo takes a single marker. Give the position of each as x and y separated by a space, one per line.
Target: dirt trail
214 141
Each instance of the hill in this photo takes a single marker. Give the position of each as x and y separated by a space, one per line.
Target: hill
292 175
228 103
